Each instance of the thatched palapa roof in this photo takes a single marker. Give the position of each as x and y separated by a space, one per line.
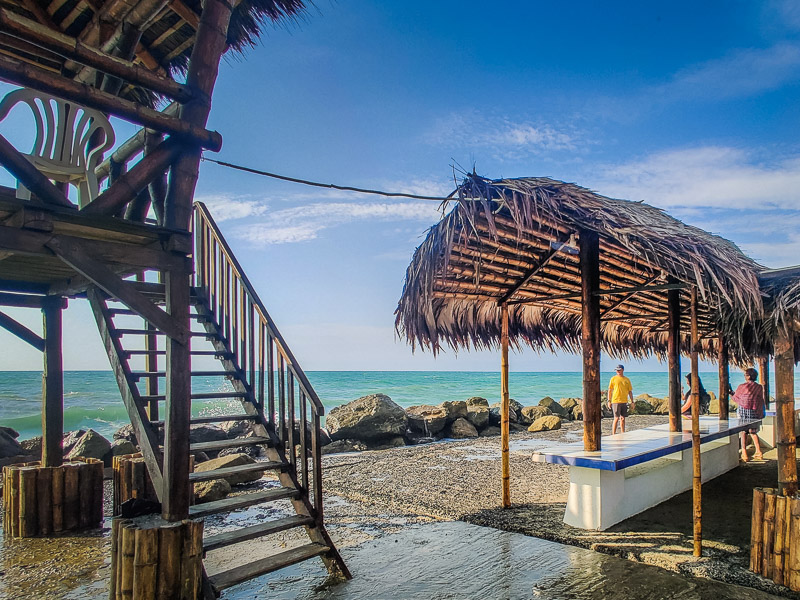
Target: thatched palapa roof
515 240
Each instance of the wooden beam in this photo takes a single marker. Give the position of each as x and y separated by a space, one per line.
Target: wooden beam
185 13
52 384
15 71
627 297
40 13
21 300
69 47
612 292
127 187
18 329
504 408
21 168
674 358
724 377
784 412
108 281
697 484
531 272
589 248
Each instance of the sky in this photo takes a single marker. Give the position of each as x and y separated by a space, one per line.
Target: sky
691 107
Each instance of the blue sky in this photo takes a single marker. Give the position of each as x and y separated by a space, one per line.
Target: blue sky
688 106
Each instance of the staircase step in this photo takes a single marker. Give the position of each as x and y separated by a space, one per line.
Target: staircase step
145 374
236 502
236 536
204 396
127 312
238 470
132 331
222 444
237 575
213 419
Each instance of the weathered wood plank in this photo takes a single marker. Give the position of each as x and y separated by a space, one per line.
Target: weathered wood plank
18 329
52 385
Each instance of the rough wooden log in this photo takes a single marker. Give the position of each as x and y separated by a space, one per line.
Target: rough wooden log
170 548
98 472
792 571
113 586
28 506
784 412
768 535
145 564
86 495
590 338
192 559
126 559
58 499
757 530
71 500
44 493
779 548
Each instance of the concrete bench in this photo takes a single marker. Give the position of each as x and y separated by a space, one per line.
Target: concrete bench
639 469
767 433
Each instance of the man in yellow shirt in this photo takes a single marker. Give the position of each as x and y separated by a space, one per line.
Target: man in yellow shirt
620 390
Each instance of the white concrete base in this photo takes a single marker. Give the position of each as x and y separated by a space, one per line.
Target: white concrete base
767 433
599 499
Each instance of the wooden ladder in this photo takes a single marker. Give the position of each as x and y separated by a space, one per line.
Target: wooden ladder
230 325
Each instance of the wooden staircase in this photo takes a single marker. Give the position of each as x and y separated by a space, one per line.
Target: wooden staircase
231 327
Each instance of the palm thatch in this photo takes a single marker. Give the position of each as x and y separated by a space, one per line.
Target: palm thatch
512 240
781 288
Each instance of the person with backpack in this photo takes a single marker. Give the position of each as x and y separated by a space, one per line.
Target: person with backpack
705 398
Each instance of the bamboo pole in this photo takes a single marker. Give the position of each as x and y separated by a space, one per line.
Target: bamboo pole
170 548
192 559
756 530
779 549
724 378
784 412
792 571
85 495
97 469
58 498
44 493
674 358
145 563
71 501
768 534
115 542
126 559
589 249
697 484
504 408
763 376
28 508
15 500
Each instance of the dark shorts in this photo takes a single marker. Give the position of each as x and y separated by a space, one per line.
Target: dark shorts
619 409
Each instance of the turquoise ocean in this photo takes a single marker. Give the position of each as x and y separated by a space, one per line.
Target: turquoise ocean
92 399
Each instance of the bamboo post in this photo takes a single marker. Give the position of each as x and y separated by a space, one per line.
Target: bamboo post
724 378
779 549
28 507
763 376
71 501
784 412
170 548
97 469
52 384
15 500
58 499
504 408
145 564
768 534
44 497
126 560
674 358
115 540
697 484
757 530
192 559
589 251
792 571
85 495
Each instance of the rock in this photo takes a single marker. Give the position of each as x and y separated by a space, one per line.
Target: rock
368 418
647 397
393 442
251 451
236 429
547 423
91 445
344 446
32 446
494 414
205 432
660 406
454 410
569 403
478 412
413 438
642 407
426 419
577 413
9 431
208 491
461 428
70 439
554 406
490 431
514 427
231 460
200 456
530 413
125 433
122 447
9 446
515 406
605 410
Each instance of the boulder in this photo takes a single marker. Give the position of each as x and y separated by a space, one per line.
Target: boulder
397 441
122 447
577 413
660 406
454 410
426 419
477 401
9 446
231 460
569 403
209 491
125 433
91 445
489 431
530 413
478 413
605 411
369 418
554 406
461 428
199 456
494 414
70 439
9 431
344 446
647 397
251 451
642 407
235 429
547 423
515 406
32 446
206 432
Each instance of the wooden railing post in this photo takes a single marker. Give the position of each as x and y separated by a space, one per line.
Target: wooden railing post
696 471
724 378
674 358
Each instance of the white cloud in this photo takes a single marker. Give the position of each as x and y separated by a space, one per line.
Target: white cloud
226 207
706 177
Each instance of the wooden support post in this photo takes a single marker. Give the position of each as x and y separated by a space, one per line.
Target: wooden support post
674 358
696 471
52 385
763 375
590 338
784 412
757 531
724 378
176 496
504 407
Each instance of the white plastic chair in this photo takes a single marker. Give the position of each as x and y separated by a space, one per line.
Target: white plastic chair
61 149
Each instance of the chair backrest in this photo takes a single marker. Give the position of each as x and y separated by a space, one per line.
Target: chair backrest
63 129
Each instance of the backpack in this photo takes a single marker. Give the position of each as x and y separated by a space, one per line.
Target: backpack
705 402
